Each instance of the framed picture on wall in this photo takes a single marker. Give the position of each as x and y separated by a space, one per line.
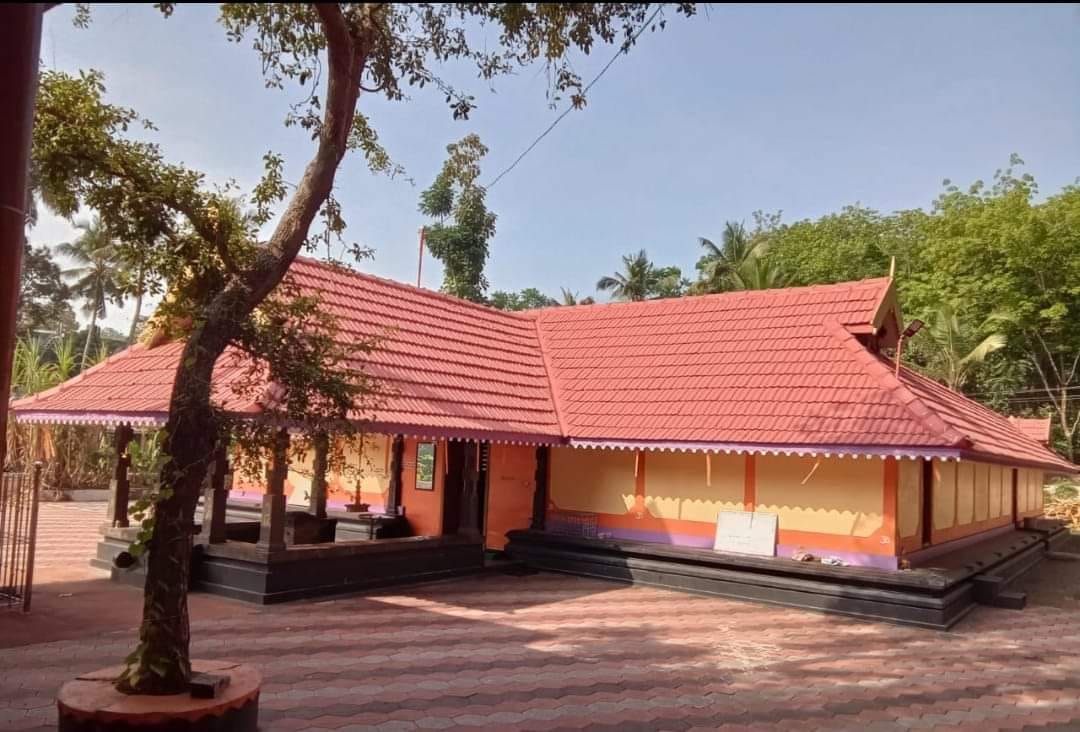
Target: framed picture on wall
425 466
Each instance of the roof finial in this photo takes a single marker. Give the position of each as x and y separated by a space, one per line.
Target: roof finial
892 267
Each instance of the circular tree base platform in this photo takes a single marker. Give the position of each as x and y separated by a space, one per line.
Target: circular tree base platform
91 703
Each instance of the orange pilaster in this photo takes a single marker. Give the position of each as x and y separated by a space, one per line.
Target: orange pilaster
750 484
890 491
639 483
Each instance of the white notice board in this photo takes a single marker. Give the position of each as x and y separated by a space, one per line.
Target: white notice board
746 532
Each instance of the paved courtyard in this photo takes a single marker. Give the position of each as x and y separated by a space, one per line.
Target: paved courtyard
549 652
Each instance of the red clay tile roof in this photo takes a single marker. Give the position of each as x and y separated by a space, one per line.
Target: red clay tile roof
772 370
1036 428
989 433
454 365
133 385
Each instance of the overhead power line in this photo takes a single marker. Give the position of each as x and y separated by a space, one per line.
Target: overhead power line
622 49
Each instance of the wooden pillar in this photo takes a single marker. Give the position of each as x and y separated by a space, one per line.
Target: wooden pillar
317 499
20 39
120 486
216 494
540 489
272 522
397 461
468 523
926 516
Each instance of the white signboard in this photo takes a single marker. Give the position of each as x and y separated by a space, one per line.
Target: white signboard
745 532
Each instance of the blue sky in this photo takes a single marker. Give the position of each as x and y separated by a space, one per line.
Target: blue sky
802 109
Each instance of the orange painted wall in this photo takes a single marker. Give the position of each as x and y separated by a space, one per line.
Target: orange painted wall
423 509
510 490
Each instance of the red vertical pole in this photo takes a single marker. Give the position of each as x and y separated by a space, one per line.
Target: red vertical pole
20 39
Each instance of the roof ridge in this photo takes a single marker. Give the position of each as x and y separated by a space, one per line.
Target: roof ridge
533 313
710 296
549 373
893 386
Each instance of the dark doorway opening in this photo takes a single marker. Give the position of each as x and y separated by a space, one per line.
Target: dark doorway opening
927 502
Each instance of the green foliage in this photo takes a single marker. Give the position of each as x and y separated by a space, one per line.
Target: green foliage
94 276
718 266
73 456
528 299
953 347
461 246
643 280
43 295
740 262
570 297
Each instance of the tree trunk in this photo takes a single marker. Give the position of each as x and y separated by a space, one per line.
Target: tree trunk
161 662
138 311
89 337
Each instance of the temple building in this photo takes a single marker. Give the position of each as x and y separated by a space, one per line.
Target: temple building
702 443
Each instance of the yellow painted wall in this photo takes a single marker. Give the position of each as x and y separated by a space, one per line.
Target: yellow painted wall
909 498
596 481
944 494
993 491
676 488
1022 490
826 495
368 466
1029 487
374 466
982 491
965 493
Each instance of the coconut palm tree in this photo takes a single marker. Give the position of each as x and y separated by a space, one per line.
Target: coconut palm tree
719 265
637 281
954 348
94 276
138 283
758 272
569 297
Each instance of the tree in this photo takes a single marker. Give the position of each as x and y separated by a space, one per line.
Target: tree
94 274
570 297
132 280
758 272
670 282
462 246
638 280
997 250
954 347
854 244
218 273
528 299
43 295
718 266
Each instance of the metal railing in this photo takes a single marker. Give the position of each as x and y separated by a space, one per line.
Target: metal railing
19 495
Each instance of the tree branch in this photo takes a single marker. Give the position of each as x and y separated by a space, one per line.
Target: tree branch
346 65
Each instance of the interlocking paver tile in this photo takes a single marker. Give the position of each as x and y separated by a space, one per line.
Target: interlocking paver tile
547 652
